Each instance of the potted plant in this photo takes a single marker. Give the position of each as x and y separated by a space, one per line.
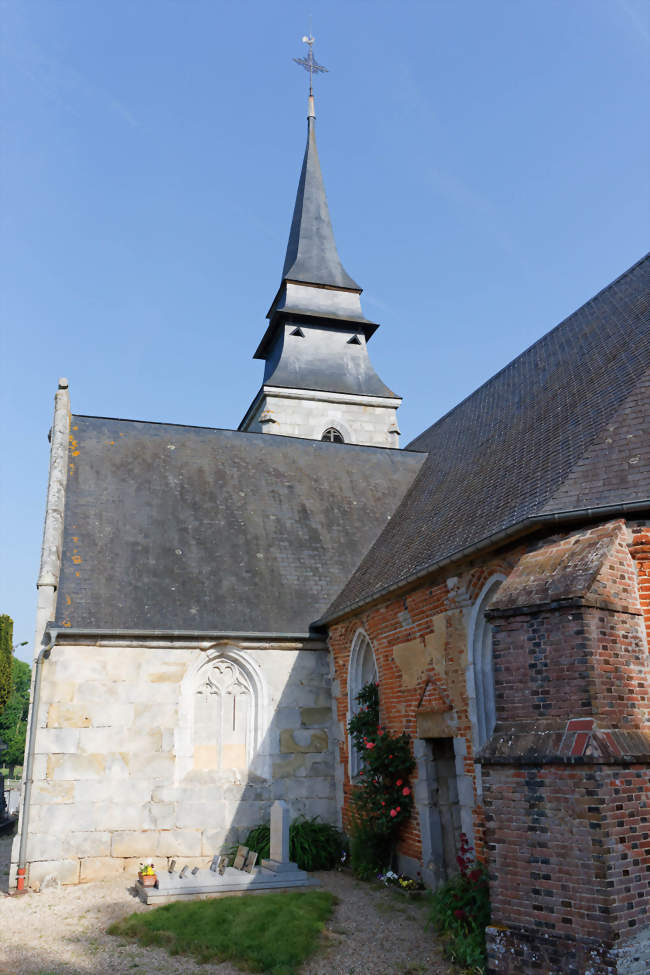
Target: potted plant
147 875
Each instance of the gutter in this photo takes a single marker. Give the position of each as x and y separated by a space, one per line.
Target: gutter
193 635
29 763
524 527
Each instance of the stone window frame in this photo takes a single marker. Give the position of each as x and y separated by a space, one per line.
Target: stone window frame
193 680
361 644
480 676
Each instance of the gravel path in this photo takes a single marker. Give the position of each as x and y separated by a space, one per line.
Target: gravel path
63 932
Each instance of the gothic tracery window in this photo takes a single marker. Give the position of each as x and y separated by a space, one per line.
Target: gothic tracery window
222 719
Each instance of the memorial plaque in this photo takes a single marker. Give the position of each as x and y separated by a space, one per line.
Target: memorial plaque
214 866
223 863
251 860
172 866
240 859
184 872
195 871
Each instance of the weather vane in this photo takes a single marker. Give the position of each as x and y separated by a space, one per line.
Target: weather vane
310 63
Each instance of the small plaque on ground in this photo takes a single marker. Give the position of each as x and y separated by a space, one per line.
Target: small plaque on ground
240 859
251 860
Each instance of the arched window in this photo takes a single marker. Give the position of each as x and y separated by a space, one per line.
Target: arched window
333 435
223 718
362 670
480 650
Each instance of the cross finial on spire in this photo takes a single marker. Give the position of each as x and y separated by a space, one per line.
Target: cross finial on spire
310 63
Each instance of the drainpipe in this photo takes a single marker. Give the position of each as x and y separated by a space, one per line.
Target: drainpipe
51 632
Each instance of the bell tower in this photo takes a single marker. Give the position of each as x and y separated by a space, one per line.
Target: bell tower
318 380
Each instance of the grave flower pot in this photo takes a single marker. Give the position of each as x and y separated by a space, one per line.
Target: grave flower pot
147 879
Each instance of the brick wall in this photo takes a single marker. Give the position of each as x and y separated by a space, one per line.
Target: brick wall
566 784
567 817
420 642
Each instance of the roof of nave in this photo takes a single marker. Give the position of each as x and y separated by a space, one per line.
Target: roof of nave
562 428
196 529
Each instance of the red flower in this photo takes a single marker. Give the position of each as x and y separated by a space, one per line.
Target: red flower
406 791
460 915
399 782
397 808
383 803
393 813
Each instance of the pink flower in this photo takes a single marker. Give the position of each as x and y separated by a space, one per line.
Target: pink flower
393 813
383 803
370 744
399 782
406 791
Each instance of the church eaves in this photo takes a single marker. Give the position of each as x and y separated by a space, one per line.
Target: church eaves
312 257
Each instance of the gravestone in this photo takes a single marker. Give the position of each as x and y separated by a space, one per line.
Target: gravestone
279 861
240 859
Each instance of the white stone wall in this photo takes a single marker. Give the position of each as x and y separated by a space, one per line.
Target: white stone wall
116 776
371 421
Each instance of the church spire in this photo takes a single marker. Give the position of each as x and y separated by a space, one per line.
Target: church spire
319 382
312 257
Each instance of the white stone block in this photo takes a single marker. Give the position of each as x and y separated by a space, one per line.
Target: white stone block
135 843
65 871
57 740
161 815
44 846
75 766
179 842
90 844
201 815
100 868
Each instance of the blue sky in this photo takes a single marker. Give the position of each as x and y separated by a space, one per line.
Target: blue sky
486 167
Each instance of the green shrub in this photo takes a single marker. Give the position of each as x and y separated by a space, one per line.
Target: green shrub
313 844
460 910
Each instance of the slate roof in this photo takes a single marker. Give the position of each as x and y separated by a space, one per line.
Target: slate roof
324 359
564 427
194 529
311 255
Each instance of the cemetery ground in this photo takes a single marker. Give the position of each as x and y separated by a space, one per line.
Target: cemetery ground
63 931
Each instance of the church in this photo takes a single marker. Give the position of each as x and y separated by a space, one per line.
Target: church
211 601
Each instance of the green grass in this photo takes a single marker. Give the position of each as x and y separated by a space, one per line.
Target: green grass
271 933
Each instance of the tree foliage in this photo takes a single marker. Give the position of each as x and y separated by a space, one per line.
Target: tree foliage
6 657
13 719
